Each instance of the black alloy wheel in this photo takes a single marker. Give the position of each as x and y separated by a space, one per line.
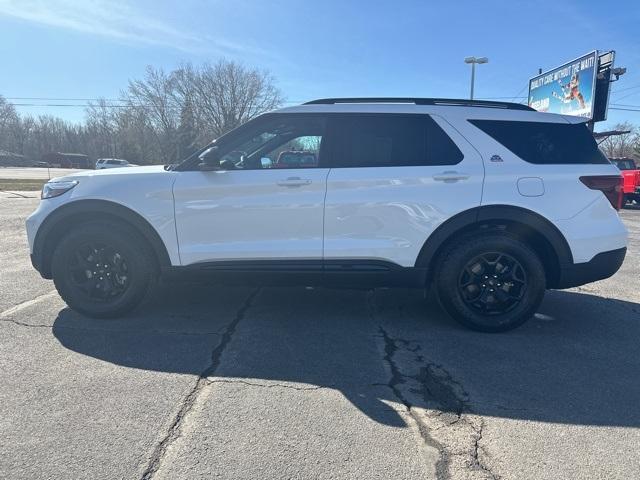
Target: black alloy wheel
99 270
492 283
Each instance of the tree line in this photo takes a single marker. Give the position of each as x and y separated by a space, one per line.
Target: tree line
161 118
624 145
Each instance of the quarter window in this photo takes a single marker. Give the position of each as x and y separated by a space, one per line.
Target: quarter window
543 142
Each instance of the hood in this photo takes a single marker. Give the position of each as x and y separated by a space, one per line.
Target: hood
108 172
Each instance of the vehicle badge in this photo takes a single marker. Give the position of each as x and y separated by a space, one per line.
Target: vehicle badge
496 158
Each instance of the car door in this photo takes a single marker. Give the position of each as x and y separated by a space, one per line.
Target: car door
394 179
256 207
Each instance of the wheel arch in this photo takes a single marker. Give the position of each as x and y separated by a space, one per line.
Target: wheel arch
532 228
67 216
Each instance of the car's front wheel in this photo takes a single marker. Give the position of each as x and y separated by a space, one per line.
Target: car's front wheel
491 282
102 269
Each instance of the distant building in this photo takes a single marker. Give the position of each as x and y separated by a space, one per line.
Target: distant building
67 160
11 159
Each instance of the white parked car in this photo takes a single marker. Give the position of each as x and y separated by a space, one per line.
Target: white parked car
102 163
490 203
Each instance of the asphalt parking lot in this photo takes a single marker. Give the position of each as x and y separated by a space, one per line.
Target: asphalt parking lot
213 381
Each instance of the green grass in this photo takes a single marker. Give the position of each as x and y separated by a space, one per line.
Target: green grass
21 184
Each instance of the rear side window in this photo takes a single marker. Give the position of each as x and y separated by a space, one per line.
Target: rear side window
391 141
545 143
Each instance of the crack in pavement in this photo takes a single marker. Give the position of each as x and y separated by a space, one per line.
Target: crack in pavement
438 405
269 385
174 430
17 194
22 324
476 451
21 306
109 330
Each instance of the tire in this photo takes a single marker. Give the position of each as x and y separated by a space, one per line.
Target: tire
123 273
469 292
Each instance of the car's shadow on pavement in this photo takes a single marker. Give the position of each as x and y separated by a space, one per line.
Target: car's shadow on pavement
577 362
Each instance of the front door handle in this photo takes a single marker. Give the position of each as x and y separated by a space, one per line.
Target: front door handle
450 176
294 182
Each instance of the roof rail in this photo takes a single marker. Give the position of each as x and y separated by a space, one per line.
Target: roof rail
423 101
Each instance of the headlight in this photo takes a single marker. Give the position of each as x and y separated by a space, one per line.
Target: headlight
55 189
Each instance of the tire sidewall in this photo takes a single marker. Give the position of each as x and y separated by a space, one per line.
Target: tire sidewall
457 258
125 242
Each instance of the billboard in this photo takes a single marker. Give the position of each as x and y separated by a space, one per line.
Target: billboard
568 89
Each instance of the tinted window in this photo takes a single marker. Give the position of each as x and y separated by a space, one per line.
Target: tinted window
545 143
391 140
626 164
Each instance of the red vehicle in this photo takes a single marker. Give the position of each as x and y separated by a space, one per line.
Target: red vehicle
631 176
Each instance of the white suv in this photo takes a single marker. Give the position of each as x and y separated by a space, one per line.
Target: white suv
490 203
103 163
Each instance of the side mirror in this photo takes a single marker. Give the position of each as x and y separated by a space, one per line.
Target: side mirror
266 162
210 160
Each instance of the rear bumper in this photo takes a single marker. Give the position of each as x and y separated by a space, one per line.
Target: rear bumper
602 266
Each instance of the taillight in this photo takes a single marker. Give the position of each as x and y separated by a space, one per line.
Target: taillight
610 185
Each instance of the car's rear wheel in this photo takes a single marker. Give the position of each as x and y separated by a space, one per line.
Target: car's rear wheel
102 269
490 283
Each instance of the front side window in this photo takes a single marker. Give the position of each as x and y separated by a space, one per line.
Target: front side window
280 141
391 140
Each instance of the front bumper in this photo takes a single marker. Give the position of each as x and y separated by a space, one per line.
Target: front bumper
602 266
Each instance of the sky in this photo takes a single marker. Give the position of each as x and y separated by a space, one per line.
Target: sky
55 50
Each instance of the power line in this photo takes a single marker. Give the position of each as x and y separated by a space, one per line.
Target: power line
71 105
87 105
67 99
618 90
625 109
628 95
521 90
624 105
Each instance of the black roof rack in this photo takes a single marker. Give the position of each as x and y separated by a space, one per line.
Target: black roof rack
423 101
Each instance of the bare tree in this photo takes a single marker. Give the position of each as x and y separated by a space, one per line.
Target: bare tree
101 125
156 95
9 121
227 94
160 118
623 145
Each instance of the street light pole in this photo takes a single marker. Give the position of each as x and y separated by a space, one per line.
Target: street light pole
473 61
473 78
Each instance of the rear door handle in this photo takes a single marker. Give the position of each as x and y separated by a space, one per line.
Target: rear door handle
294 182
450 177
